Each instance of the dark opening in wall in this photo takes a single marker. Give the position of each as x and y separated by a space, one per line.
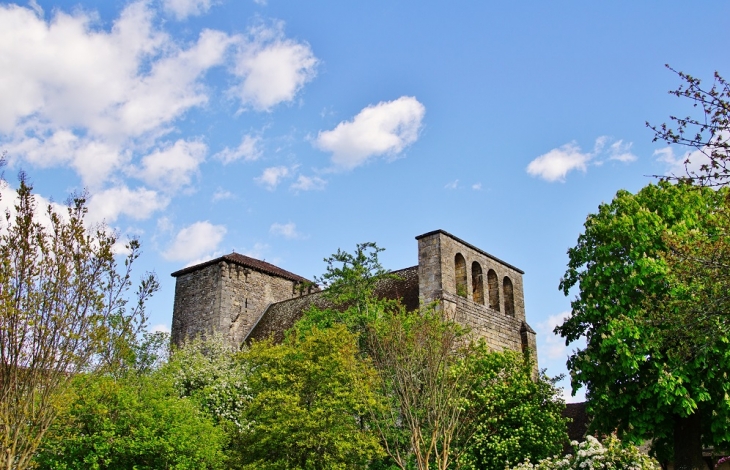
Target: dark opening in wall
477 283
460 275
509 297
493 285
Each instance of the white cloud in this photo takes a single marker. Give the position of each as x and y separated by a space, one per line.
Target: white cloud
308 183
80 96
476 186
221 194
272 176
554 165
248 150
557 163
676 166
553 346
182 9
621 152
9 199
288 230
195 241
160 328
386 128
452 185
138 204
272 68
174 166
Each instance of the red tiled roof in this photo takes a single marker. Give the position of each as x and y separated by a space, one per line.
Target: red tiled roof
241 260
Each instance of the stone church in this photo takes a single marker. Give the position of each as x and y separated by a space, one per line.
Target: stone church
247 299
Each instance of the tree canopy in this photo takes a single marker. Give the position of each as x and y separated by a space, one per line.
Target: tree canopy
63 310
637 384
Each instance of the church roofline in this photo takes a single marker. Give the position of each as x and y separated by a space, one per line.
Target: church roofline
479 250
245 261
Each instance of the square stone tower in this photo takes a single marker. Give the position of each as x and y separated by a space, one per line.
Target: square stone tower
227 295
476 289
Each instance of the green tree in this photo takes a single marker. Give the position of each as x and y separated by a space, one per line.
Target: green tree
636 384
426 377
350 281
63 310
519 417
308 399
137 422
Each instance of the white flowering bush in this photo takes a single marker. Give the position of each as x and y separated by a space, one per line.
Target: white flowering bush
591 454
210 372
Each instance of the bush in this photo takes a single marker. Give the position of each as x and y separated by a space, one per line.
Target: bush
592 454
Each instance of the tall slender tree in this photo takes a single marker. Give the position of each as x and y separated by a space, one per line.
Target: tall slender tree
63 310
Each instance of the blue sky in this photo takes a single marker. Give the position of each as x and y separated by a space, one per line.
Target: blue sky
287 130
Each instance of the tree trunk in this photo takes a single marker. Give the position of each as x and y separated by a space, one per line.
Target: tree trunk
688 443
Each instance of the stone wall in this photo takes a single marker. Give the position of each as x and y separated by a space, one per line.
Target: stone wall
226 298
456 274
245 293
247 299
195 301
279 317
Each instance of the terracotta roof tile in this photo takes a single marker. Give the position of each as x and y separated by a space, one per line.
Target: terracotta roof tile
246 261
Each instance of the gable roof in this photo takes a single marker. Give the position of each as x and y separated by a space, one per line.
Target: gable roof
247 262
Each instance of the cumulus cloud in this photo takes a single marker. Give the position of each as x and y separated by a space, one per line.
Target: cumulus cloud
182 9
272 176
476 186
386 128
65 73
103 101
195 241
138 204
272 68
174 166
554 165
288 230
557 163
248 150
452 185
309 183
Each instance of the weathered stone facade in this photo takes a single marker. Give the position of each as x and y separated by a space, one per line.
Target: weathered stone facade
475 289
227 296
244 298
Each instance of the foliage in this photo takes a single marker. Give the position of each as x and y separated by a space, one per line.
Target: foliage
594 455
207 371
422 360
63 310
637 384
519 417
132 423
309 397
707 134
350 281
